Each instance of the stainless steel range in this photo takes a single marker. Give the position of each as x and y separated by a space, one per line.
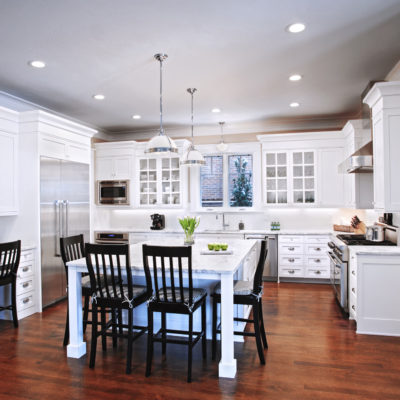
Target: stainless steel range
339 256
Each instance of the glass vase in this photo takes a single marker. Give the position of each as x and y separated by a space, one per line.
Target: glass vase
189 239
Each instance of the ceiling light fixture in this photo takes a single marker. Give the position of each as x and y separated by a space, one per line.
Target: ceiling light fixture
161 143
215 110
296 27
294 104
37 64
99 96
192 156
136 116
295 77
222 146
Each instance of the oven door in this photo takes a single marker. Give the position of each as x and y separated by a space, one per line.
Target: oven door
338 277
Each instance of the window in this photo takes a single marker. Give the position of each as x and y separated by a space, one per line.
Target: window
240 180
211 181
226 181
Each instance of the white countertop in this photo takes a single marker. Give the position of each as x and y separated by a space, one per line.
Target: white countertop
28 247
374 250
211 264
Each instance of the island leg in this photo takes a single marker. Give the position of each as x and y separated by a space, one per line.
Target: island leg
227 365
76 347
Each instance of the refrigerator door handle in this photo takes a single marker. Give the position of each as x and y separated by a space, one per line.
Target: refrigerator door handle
66 228
58 205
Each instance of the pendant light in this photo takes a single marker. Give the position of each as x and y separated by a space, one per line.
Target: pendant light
192 156
161 143
222 146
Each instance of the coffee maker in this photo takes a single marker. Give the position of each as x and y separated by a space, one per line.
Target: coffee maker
158 222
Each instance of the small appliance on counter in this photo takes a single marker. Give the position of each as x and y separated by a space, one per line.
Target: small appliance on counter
158 222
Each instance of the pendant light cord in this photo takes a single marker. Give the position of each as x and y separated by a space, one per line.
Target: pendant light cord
221 124
161 110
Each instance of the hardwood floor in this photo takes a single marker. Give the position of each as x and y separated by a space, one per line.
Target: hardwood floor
314 353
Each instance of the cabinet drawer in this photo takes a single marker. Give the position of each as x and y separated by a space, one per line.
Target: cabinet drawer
24 286
291 272
26 255
25 301
315 272
291 260
316 249
317 261
291 239
25 270
317 239
291 249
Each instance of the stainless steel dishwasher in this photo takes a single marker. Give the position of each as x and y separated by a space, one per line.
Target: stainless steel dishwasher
271 263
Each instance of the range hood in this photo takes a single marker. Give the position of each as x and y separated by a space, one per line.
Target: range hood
360 161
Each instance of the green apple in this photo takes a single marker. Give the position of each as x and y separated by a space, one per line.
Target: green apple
224 246
210 246
217 247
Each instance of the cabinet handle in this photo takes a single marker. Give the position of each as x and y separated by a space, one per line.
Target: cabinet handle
291 259
26 284
291 248
317 248
317 272
25 269
25 300
353 307
353 290
291 271
353 272
317 260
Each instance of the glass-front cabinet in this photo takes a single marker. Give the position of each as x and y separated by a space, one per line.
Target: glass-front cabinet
289 177
160 181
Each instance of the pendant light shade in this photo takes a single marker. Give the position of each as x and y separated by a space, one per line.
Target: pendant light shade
222 146
192 156
161 143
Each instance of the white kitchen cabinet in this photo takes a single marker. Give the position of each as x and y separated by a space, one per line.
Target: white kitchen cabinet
384 100
358 187
115 160
8 162
303 256
301 169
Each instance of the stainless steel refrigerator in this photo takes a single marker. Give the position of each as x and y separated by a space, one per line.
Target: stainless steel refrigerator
64 211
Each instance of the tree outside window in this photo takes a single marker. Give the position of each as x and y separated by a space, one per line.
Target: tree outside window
240 180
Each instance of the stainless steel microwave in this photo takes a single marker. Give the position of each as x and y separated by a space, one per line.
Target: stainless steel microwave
113 192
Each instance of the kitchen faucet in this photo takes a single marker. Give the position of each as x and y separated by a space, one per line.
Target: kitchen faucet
224 224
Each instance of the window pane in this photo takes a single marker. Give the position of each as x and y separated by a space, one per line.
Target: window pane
297 158
271 159
271 184
309 183
297 197
240 180
282 185
271 172
309 197
297 171
309 170
281 158
282 197
271 197
297 183
282 172
211 180
309 157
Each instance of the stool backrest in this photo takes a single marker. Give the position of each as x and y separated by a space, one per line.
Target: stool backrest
257 283
9 259
168 265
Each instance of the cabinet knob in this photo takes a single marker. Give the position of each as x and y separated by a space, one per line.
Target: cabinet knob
353 272
317 248
26 284
291 271
25 269
25 300
353 290
317 260
353 307
317 272
291 260
291 248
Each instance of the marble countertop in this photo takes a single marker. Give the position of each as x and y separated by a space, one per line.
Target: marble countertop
211 264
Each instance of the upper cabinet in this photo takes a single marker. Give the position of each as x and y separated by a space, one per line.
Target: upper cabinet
115 160
384 100
301 169
8 162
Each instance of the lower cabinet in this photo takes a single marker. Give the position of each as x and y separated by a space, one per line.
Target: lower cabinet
303 256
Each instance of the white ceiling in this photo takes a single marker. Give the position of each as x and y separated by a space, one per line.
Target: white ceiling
236 53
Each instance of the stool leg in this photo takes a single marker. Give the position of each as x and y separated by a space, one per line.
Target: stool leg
94 337
214 329
120 321
256 318
263 336
85 312
103 329
163 332
204 329
66 333
14 303
190 344
114 326
149 342
130 337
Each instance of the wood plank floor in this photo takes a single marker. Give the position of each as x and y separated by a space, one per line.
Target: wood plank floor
314 353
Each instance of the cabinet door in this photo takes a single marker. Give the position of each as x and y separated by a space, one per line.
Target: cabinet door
303 182
104 168
122 167
276 177
8 175
330 181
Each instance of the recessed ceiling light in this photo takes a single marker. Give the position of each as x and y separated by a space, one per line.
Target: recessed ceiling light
296 27
295 77
37 64
294 104
99 96
136 116
215 110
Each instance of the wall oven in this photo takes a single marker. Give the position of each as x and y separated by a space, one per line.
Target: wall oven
113 192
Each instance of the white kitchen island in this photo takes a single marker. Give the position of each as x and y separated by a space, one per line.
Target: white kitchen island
206 269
